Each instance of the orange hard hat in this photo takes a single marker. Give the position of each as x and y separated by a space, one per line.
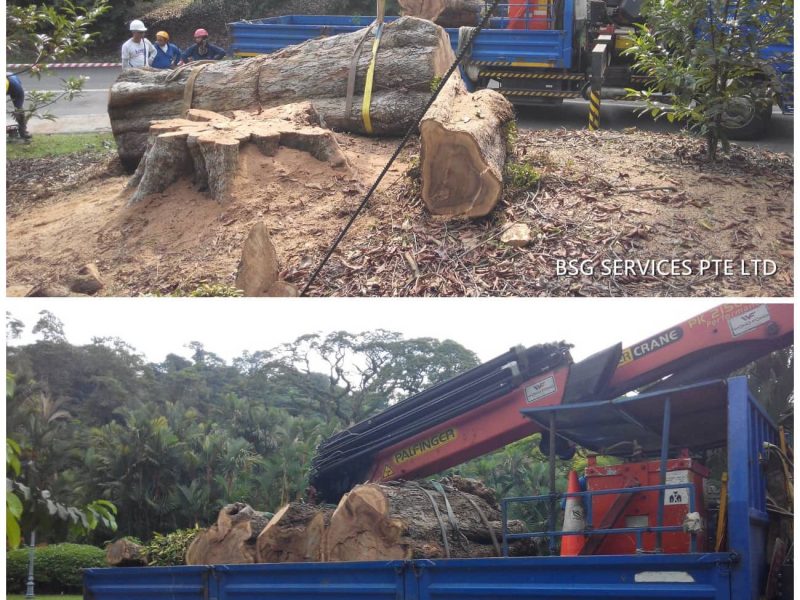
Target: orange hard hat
163 34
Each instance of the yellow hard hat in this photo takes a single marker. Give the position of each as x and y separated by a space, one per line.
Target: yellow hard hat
163 34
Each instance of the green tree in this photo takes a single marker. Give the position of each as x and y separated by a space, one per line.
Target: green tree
708 56
50 33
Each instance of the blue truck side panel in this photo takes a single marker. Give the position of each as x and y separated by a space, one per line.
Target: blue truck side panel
495 44
151 583
321 581
700 576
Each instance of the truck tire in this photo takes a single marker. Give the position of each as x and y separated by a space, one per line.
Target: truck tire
747 121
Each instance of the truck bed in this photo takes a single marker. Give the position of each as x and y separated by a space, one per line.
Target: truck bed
642 576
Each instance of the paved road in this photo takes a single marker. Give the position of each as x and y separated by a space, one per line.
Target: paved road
88 112
574 114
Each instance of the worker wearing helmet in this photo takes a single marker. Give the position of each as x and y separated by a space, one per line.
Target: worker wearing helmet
167 54
202 50
137 52
14 89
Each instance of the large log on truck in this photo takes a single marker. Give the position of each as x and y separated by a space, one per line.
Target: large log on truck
399 521
447 13
464 147
231 540
295 534
413 54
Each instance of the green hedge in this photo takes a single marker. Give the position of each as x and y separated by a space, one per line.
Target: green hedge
56 569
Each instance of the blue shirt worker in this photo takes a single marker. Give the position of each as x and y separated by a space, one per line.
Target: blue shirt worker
167 55
202 50
14 89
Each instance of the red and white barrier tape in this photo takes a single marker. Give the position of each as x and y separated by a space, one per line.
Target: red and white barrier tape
67 65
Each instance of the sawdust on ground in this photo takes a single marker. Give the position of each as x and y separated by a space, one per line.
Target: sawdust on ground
602 197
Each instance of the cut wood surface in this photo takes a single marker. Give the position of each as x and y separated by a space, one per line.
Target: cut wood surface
446 13
231 540
413 54
295 534
398 522
206 146
125 553
463 150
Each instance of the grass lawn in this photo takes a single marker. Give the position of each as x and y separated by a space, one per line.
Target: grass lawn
60 144
22 597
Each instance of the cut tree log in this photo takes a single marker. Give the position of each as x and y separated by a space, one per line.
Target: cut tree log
463 150
125 553
396 521
446 13
413 54
295 534
231 540
206 146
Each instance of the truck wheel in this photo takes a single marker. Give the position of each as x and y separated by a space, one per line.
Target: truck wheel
745 120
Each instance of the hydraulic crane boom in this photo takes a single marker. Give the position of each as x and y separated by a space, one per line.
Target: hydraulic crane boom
479 411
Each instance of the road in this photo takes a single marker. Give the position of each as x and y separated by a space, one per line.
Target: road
88 112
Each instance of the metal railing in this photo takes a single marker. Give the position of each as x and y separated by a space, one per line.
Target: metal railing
588 531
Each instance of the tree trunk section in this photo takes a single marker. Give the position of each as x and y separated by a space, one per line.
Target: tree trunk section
206 146
398 522
446 13
463 150
413 54
231 540
295 534
125 553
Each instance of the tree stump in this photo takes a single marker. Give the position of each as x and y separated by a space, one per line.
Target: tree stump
463 150
446 13
295 534
398 522
206 145
125 553
231 540
413 54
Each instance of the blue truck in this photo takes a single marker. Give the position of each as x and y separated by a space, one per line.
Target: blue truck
714 415
538 51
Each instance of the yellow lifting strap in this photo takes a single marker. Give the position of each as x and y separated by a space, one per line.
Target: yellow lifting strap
371 71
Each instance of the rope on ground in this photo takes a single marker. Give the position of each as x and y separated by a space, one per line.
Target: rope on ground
403 142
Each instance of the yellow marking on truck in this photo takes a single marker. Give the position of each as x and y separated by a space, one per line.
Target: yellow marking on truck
387 472
437 440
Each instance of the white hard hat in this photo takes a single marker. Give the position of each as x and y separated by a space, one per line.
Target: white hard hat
137 25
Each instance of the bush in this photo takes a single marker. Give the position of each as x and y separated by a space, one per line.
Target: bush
57 569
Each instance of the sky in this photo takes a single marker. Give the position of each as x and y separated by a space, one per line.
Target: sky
228 327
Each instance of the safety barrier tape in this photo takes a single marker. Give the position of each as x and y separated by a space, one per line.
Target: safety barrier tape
66 65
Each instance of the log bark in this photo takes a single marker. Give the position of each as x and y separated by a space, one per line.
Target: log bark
398 522
446 13
206 146
413 54
125 553
231 540
295 534
463 150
